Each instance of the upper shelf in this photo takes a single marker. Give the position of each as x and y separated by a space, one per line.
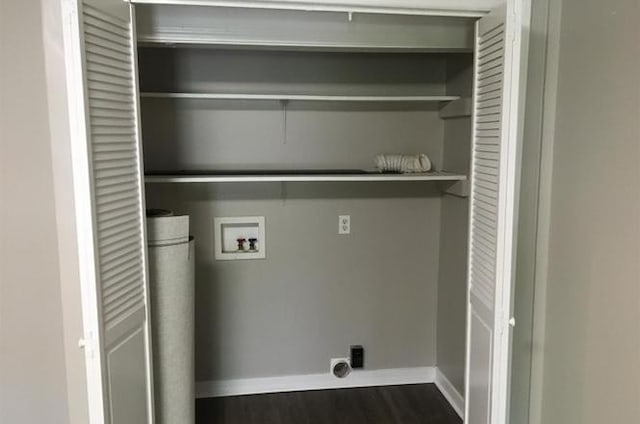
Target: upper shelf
300 176
260 27
298 97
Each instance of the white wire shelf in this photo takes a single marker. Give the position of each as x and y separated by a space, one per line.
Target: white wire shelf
253 177
296 97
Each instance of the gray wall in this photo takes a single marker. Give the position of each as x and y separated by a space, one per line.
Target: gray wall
318 30
592 345
452 281
317 292
190 134
33 387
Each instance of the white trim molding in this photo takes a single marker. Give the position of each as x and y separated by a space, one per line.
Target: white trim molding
357 378
293 383
455 399
462 8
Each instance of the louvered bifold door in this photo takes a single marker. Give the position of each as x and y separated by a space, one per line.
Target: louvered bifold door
496 138
106 149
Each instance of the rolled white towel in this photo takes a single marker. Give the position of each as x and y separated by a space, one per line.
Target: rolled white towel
403 163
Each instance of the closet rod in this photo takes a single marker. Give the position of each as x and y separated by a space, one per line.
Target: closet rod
299 97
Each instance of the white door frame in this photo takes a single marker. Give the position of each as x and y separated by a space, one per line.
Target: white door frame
81 167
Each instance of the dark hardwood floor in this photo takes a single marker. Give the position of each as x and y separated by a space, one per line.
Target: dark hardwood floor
409 404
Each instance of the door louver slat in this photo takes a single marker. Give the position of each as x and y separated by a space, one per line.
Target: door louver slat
486 162
115 161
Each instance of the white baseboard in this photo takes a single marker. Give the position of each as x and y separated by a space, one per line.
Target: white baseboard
293 383
449 392
357 378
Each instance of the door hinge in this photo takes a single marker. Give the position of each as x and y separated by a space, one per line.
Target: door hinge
88 344
69 9
511 35
502 322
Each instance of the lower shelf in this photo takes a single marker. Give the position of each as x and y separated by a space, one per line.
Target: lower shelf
295 176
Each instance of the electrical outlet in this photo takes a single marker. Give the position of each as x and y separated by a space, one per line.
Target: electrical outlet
344 224
357 356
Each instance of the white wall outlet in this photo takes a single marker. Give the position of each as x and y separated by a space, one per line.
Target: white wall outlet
344 224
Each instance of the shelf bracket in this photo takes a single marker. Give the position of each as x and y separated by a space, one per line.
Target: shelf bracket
459 108
350 16
285 103
283 192
460 189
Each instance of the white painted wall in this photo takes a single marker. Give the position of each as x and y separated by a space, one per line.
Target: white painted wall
65 212
33 387
592 344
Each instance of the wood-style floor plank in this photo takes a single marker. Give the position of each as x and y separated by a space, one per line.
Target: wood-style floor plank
408 404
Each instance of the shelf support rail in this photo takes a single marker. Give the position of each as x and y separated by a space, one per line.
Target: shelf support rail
284 103
283 192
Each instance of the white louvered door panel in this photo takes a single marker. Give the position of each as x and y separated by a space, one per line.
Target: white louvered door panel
497 132
107 165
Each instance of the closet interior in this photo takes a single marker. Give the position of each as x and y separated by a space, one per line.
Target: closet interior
280 115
